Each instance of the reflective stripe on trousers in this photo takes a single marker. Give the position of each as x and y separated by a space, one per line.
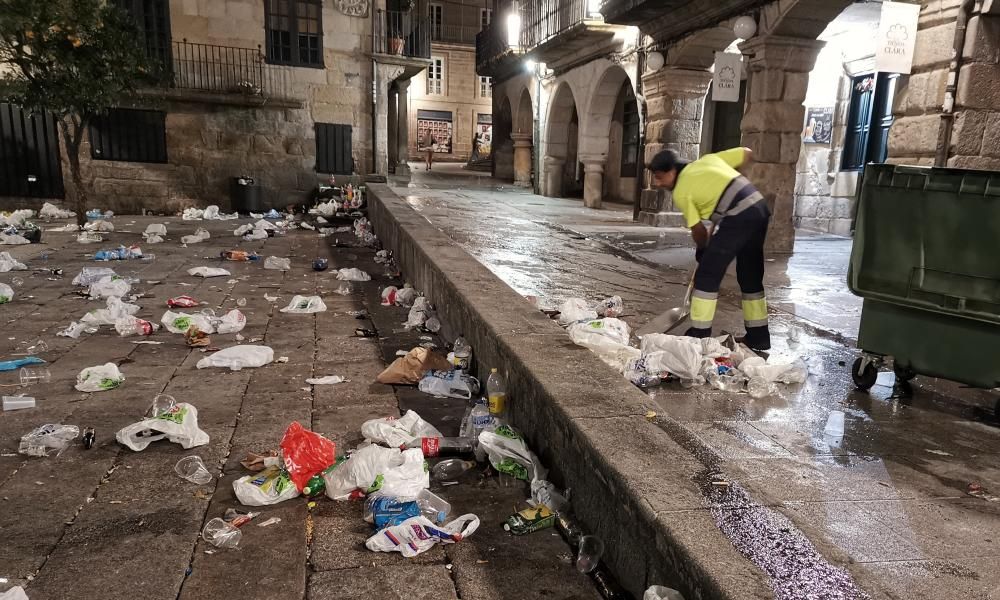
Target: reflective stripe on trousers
703 306
754 310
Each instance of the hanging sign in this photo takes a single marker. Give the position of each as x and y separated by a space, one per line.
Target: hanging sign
897 36
726 81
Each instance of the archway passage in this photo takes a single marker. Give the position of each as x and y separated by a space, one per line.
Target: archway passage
522 136
622 165
561 143
503 145
602 135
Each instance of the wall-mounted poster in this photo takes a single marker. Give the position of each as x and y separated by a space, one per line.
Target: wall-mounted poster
434 129
484 134
819 125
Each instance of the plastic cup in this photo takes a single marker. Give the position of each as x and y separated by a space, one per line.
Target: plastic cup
241 302
37 347
162 403
32 375
193 469
589 553
221 534
835 424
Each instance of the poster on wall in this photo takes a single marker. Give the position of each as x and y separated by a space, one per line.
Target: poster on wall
434 130
819 125
726 79
897 36
483 136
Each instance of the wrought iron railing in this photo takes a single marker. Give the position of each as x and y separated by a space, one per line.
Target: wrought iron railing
491 45
541 20
400 33
226 69
455 34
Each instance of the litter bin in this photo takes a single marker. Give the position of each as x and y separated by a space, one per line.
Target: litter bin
244 194
925 262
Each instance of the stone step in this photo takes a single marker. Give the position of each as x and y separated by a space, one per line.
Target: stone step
662 219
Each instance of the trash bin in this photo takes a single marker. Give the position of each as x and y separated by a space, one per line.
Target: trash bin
244 194
924 261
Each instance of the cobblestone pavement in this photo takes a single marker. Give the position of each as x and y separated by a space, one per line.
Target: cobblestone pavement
109 523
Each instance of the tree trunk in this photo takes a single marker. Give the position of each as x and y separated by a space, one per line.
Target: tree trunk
72 131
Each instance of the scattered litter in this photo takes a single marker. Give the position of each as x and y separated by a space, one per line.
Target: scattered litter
372 468
51 211
575 309
277 264
14 593
46 439
977 490
271 298
611 307
182 302
281 359
221 534
419 534
196 338
208 272
193 469
100 378
306 453
449 384
17 403
395 432
410 369
178 322
321 264
327 380
270 486
17 363
451 468
305 305
353 274
269 522
258 462
239 357
659 592
90 275
530 520
509 454
109 286
9 263
130 325
89 237
938 452
6 293
178 425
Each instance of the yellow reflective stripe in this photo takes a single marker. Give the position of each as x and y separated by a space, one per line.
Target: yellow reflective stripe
755 310
703 310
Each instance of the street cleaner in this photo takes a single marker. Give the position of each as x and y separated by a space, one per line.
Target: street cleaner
728 219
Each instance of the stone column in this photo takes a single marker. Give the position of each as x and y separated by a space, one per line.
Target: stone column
403 128
522 159
675 104
392 119
553 176
772 126
384 75
593 181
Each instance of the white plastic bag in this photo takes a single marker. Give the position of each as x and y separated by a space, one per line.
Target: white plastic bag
270 486
51 211
615 330
419 534
178 425
255 234
604 340
89 237
100 378
208 272
110 286
678 355
73 330
406 296
211 212
6 293
89 275
101 226
114 309
48 438
372 468
18 217
326 380
232 322
305 305
8 263
509 453
179 322
353 275
575 309
238 357
277 264
395 432
152 238
659 592
155 229
448 384
419 313
611 307
192 214
790 373
13 240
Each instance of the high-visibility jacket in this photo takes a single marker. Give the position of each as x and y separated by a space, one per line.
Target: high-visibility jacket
702 183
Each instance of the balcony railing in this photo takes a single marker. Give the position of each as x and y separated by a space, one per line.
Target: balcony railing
542 20
226 69
491 46
454 34
402 34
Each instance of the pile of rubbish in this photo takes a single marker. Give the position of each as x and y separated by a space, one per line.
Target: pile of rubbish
720 362
209 213
16 228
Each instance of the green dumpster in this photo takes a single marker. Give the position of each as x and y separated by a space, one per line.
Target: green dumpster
926 261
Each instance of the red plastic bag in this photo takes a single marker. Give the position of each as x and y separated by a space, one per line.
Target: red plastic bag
306 453
182 302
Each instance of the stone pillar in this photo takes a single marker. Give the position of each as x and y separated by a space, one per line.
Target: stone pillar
522 159
384 76
675 104
553 176
392 120
772 126
593 181
403 128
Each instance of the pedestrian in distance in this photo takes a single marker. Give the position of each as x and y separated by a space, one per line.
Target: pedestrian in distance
429 150
728 219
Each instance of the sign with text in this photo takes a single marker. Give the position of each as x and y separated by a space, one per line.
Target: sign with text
897 35
726 81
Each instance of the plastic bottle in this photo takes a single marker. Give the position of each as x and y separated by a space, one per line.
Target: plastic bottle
130 325
481 417
451 469
758 387
496 391
432 506
463 353
315 486
444 446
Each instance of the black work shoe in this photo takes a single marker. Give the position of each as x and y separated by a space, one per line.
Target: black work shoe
698 333
757 338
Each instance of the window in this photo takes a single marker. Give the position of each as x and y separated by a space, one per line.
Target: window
152 18
333 149
869 119
630 134
485 17
435 76
437 22
294 32
485 87
130 135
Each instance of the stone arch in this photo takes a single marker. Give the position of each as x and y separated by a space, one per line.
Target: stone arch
597 121
799 18
697 51
524 117
503 145
561 141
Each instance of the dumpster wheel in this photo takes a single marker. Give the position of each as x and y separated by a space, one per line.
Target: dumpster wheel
864 372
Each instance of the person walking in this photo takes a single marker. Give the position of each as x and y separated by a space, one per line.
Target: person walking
728 218
429 149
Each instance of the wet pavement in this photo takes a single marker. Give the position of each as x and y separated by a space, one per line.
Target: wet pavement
889 501
108 523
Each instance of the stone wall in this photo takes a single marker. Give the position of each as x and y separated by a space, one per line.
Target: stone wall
213 137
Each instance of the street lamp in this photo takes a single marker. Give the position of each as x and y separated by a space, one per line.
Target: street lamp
513 30
654 61
745 27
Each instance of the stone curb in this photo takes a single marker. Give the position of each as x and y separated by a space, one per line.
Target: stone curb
634 484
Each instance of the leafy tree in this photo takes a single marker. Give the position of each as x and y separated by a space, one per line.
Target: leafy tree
73 58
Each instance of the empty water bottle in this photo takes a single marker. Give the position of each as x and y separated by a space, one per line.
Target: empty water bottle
432 506
481 417
588 554
451 469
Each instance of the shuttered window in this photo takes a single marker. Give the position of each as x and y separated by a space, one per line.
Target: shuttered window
129 135
294 32
333 149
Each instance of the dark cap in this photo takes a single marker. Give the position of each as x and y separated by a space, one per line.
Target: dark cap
666 160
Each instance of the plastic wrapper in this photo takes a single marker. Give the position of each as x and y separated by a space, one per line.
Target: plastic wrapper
395 432
232 322
372 468
100 378
51 211
90 275
6 293
270 486
208 272
419 534
49 438
179 425
449 384
509 454
789 373
419 312
353 275
305 305
575 309
179 322
611 307
277 264
109 286
678 355
9 263
238 357
305 453
7 239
